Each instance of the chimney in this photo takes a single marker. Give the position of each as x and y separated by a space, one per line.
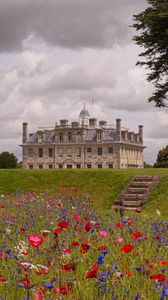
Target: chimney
132 136
102 123
64 123
75 124
140 133
125 135
92 122
118 129
25 133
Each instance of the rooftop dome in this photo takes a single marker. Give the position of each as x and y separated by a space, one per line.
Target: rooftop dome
84 113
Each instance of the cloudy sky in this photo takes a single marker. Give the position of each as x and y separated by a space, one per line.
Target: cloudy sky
57 54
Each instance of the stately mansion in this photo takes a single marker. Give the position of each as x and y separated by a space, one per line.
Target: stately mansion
83 144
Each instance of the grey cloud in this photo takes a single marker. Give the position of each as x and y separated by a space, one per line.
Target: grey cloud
66 23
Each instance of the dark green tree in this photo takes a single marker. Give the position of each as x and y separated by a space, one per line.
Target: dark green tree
152 25
162 158
8 160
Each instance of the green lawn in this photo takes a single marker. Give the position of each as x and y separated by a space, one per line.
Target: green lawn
102 185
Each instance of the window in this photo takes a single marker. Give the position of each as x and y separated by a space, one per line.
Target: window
78 152
89 151
89 166
40 152
110 166
40 166
110 150
69 136
69 152
78 166
69 166
99 136
60 166
31 152
99 166
99 151
60 152
30 166
50 152
61 137
50 166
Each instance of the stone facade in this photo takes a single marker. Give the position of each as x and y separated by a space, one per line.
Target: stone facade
83 144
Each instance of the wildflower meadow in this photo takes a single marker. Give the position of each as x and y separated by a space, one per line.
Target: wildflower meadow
57 246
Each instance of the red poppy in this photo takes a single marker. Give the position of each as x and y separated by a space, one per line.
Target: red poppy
75 244
88 226
67 251
84 247
2 278
39 295
57 230
59 204
119 225
66 268
102 247
162 262
22 230
35 240
128 274
65 290
70 198
129 221
93 272
136 235
75 216
2 206
26 282
138 210
63 224
158 277
151 264
126 248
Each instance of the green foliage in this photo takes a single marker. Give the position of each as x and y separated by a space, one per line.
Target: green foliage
8 160
162 158
146 165
152 25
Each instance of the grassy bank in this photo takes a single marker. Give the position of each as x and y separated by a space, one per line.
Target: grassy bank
103 185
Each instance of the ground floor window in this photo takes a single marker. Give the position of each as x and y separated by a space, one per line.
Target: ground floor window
99 166
89 166
60 166
50 166
40 166
69 166
78 166
110 166
30 166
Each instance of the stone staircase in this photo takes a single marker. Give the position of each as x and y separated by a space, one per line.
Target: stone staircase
136 192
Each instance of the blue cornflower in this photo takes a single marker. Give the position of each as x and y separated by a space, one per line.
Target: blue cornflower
49 285
100 260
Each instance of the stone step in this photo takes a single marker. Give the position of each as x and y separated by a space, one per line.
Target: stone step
132 203
136 190
140 184
144 178
134 196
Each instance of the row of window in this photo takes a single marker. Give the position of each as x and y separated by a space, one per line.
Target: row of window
69 166
69 152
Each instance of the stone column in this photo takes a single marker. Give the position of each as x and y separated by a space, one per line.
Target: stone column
25 133
118 129
140 133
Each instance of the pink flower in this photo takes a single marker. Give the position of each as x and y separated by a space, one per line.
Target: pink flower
119 240
2 255
103 233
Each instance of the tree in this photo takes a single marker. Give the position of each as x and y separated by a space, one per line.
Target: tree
152 25
162 158
8 160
